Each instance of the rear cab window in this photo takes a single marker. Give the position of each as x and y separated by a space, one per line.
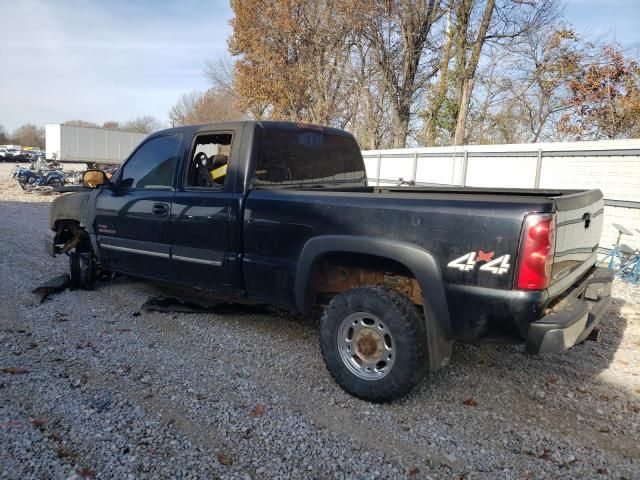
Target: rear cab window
305 157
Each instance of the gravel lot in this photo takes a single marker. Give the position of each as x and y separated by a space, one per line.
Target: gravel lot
112 392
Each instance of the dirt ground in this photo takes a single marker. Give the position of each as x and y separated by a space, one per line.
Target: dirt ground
92 386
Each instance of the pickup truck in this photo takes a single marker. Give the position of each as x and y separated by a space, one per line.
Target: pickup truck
281 214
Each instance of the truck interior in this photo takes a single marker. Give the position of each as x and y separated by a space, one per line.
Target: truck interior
208 161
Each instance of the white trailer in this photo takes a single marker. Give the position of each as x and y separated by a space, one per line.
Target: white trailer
72 143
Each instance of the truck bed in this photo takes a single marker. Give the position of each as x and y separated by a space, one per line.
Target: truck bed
448 222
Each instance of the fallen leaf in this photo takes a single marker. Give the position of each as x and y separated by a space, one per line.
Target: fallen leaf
545 455
65 452
258 411
10 423
224 459
470 402
38 422
14 370
552 381
85 472
414 471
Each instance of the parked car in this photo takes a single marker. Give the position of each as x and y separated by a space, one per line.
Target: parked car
281 214
9 154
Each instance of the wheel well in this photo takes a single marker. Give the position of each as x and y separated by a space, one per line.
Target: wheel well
71 235
335 273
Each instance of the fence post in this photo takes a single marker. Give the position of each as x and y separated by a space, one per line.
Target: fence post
378 172
465 164
415 168
536 183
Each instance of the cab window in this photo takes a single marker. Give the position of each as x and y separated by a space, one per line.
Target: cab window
299 157
152 165
209 161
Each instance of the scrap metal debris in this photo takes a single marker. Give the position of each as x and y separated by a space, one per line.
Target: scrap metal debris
55 285
171 304
100 405
175 304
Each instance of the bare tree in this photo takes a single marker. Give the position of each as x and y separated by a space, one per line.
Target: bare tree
220 74
142 124
538 84
81 123
208 107
29 135
398 32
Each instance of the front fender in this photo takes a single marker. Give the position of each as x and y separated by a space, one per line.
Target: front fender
73 206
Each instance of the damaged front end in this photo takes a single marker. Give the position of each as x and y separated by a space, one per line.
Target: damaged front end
69 224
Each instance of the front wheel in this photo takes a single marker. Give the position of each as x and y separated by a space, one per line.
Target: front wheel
82 270
374 343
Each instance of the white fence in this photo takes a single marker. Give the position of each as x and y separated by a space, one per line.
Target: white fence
613 166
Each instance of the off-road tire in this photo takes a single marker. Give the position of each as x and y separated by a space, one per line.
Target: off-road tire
401 318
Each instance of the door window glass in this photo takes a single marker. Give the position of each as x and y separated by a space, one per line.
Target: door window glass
153 164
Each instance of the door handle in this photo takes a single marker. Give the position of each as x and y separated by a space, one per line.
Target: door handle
160 209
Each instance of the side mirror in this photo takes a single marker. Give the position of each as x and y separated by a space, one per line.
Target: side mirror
94 178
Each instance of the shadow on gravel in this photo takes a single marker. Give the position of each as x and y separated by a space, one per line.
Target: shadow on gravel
597 355
579 364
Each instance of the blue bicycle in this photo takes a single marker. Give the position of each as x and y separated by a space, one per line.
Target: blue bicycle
623 260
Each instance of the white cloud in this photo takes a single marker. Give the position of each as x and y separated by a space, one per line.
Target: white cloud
61 60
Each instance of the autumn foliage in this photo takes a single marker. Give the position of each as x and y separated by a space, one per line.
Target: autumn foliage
605 97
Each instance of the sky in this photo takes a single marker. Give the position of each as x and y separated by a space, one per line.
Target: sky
116 59
104 60
606 20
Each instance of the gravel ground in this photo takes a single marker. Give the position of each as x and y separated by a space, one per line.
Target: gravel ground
105 390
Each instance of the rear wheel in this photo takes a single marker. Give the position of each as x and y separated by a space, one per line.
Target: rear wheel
374 343
55 183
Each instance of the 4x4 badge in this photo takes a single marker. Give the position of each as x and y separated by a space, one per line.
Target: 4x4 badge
468 261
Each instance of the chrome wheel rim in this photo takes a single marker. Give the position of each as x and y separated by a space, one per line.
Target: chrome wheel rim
366 346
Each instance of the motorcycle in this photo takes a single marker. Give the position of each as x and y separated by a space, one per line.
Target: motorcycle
29 178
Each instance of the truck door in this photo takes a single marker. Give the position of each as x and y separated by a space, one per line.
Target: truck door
203 214
132 219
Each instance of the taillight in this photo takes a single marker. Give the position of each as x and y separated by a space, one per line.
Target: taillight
536 251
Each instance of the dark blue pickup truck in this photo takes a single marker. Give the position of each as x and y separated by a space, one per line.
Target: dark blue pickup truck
280 213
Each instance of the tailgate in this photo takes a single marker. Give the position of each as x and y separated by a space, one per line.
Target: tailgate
579 219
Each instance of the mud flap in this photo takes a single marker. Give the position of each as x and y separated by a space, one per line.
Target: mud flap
440 347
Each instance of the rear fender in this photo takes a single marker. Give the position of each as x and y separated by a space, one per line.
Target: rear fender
420 262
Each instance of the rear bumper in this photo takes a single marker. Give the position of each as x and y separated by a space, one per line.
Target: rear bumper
574 317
